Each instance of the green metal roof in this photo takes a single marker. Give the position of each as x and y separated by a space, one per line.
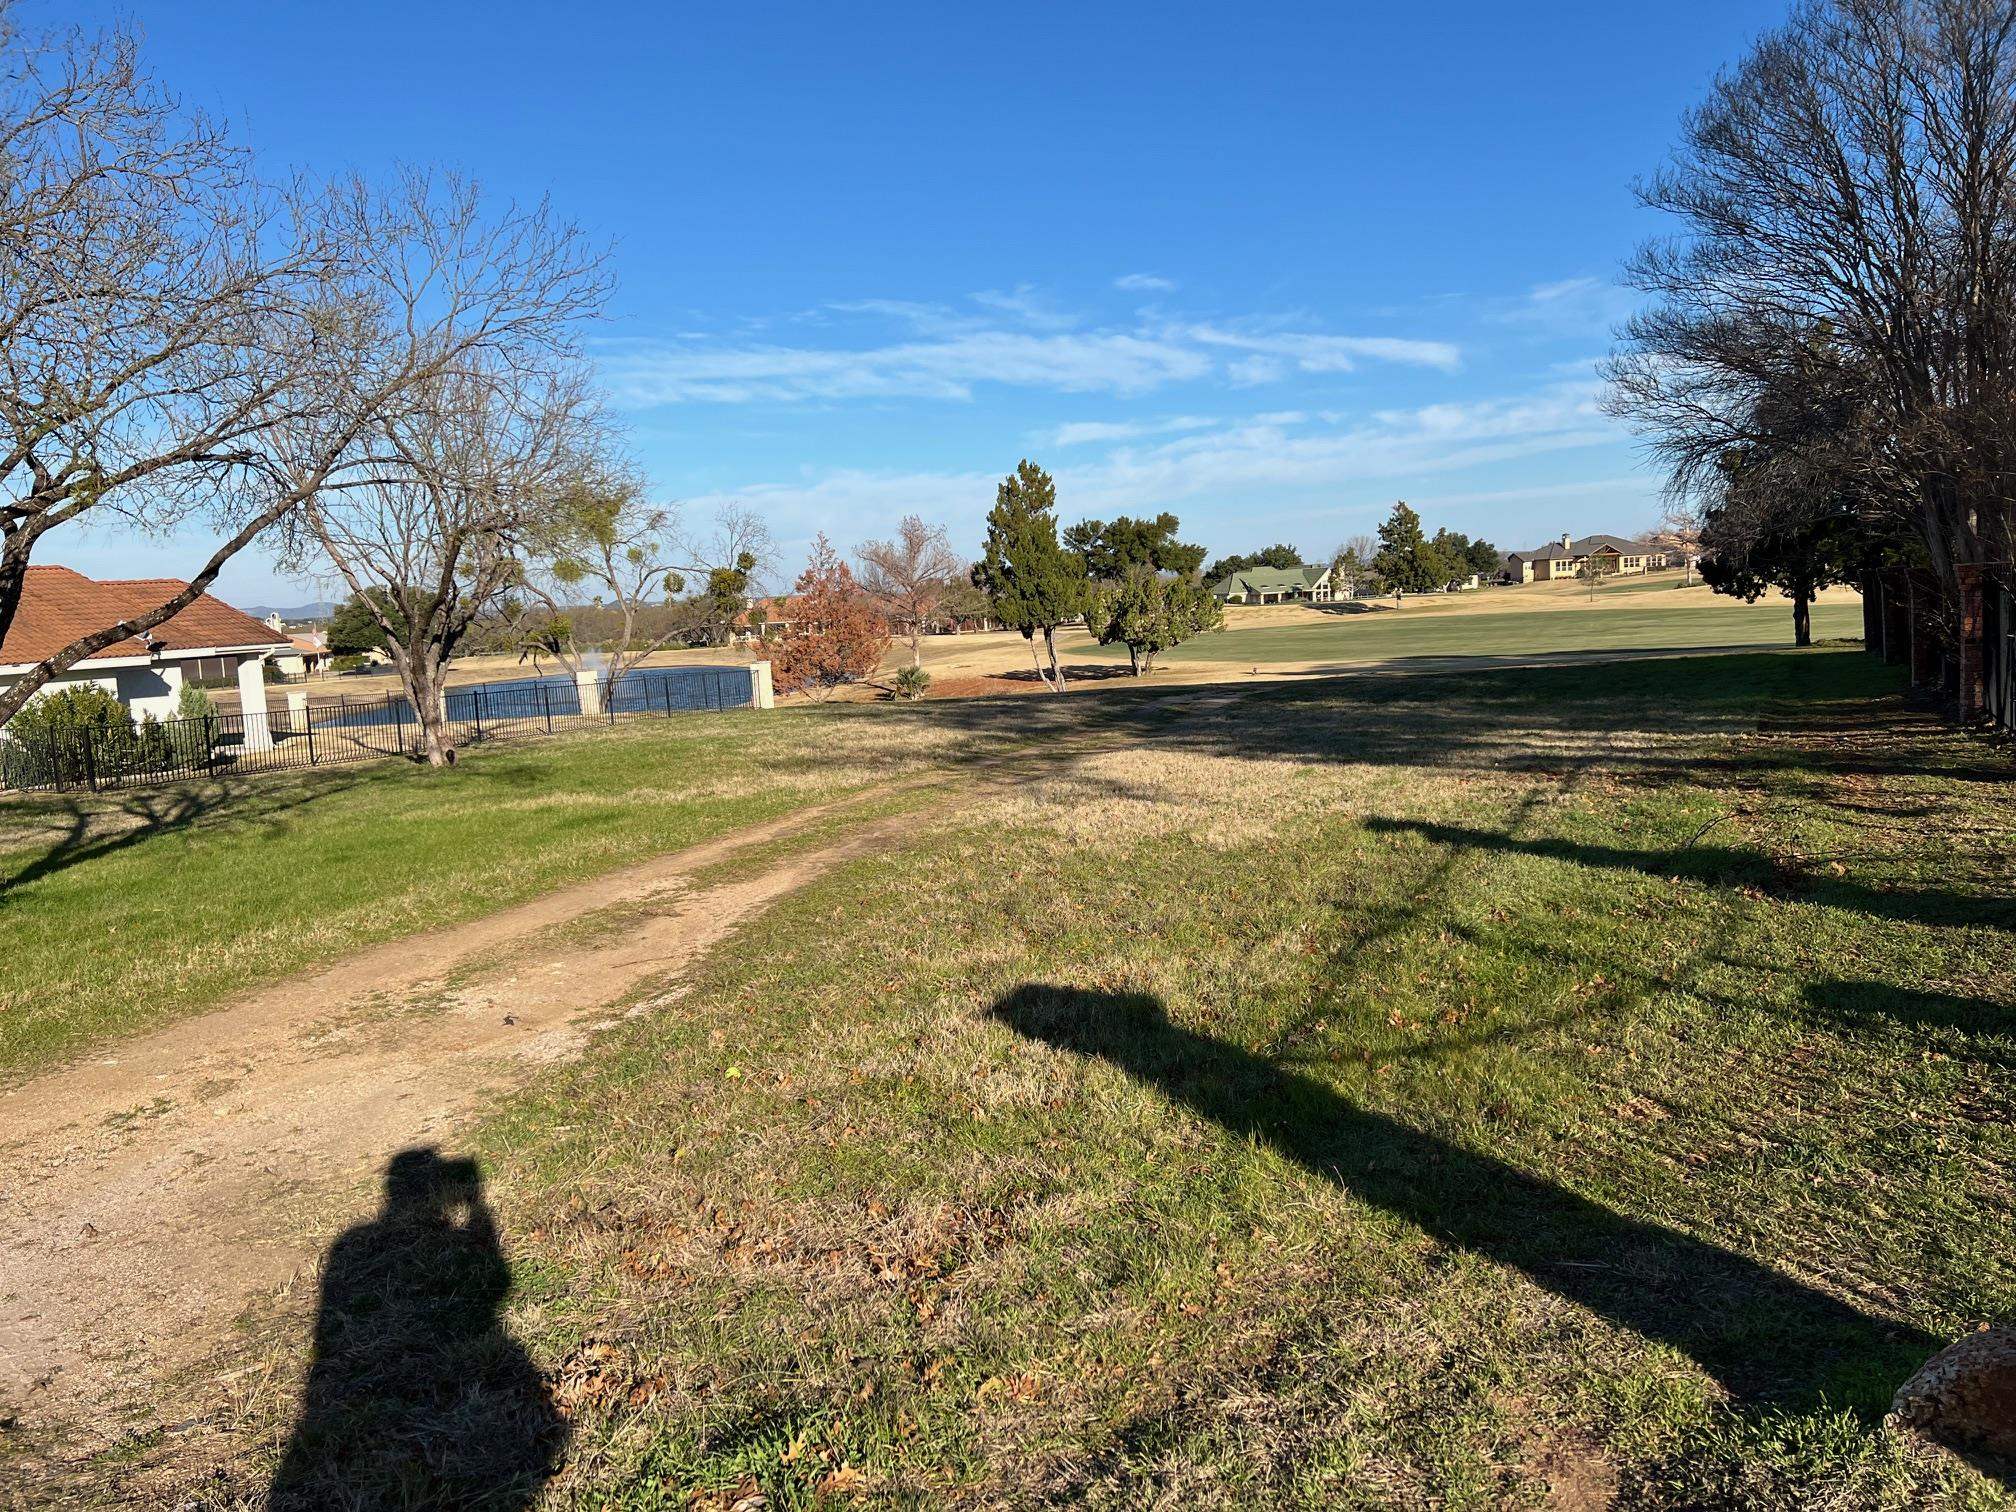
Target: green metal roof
1268 580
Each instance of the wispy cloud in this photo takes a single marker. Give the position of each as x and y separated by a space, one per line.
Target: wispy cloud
1145 283
1029 305
951 368
1575 308
1082 432
947 353
1252 372
1316 353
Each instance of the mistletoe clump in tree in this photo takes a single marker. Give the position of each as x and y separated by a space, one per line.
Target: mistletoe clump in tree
838 633
1032 581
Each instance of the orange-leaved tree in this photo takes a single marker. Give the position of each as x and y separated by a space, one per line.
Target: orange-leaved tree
838 634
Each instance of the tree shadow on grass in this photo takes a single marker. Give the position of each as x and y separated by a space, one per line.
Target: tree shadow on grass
59 832
417 1395
1725 866
1770 1340
1862 1004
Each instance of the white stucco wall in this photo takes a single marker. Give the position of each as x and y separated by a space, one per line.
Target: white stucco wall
144 690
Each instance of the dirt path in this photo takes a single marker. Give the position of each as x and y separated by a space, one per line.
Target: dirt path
148 1196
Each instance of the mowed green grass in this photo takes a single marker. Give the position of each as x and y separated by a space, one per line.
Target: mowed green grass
1377 636
1497 1090
124 912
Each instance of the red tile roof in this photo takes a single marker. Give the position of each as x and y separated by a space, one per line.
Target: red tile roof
58 605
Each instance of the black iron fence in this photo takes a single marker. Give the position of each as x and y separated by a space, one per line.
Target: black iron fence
126 753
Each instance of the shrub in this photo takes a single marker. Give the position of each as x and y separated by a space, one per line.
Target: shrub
46 740
911 683
837 633
193 702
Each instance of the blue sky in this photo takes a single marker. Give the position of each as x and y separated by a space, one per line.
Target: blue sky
1269 267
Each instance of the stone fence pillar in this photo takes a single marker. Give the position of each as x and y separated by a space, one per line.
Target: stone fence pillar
252 704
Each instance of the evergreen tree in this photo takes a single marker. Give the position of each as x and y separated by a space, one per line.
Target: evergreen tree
1406 560
1148 613
1033 583
354 629
1781 522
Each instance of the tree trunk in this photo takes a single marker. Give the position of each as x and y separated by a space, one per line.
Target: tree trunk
1036 661
1802 616
1134 659
429 697
916 644
1056 671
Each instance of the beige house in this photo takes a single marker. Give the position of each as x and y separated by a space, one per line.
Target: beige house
1569 558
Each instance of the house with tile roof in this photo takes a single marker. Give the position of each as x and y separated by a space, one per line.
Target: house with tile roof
208 642
1274 585
1567 558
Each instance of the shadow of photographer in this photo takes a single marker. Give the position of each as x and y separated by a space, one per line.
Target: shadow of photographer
417 1394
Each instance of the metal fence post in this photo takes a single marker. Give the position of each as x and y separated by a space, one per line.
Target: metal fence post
476 703
210 743
308 719
546 707
90 762
610 702
399 711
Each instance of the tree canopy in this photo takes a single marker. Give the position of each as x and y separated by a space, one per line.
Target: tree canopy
354 629
838 634
1840 206
1033 583
1148 612
1110 549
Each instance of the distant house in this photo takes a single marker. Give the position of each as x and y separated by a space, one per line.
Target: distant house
209 642
1274 585
764 617
307 656
1567 557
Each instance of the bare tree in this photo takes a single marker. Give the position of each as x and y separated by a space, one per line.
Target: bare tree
910 577
180 343
1351 564
1848 203
430 538
728 558
156 309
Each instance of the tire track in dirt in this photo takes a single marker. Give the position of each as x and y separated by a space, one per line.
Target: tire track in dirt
148 1196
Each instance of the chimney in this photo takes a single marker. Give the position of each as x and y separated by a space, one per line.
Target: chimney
1567 541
